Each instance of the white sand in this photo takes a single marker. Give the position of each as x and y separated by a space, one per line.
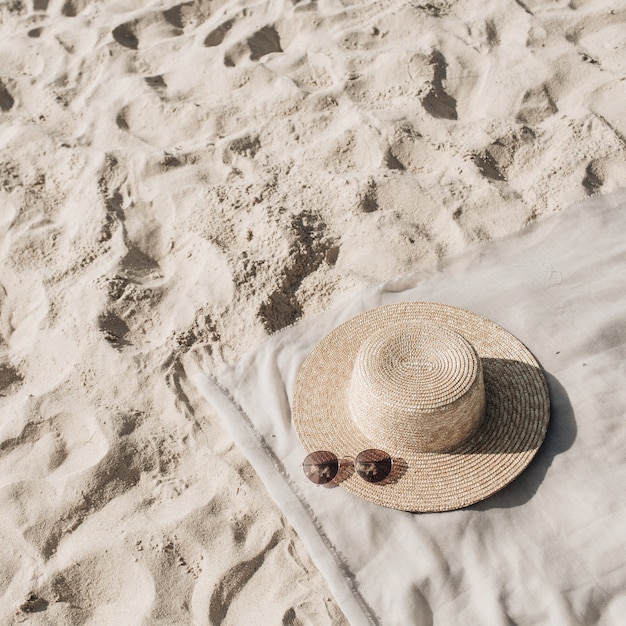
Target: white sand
206 173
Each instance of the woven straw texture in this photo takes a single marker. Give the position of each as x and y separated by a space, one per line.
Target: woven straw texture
459 403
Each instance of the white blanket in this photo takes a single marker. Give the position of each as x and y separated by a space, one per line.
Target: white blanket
550 547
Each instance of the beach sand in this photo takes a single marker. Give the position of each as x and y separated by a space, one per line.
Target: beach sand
207 173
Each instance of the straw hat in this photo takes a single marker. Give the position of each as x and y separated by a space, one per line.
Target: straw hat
459 403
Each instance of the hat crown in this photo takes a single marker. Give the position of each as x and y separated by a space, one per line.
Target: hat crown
417 385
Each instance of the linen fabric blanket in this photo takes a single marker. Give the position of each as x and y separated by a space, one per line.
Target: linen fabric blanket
548 548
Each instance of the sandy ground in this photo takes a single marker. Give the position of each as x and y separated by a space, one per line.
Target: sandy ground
206 173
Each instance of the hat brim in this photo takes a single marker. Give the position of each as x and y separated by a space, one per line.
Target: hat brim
515 423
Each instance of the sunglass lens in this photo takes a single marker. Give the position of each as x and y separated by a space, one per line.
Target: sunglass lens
321 467
373 465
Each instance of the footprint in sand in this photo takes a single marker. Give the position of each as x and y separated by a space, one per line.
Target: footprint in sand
125 36
594 177
263 42
114 329
189 14
174 15
68 9
437 102
120 119
6 99
128 289
216 36
158 84
310 249
487 165
9 380
537 105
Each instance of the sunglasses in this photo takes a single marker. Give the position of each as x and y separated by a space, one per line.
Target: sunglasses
321 467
